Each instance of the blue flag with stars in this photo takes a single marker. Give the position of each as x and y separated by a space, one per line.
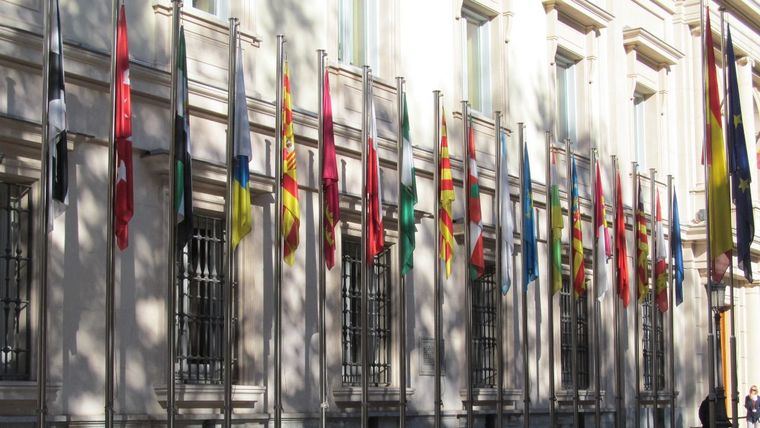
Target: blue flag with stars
529 241
676 250
739 167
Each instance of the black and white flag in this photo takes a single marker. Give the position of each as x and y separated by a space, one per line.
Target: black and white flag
58 182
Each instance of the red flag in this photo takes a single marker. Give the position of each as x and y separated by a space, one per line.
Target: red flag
642 249
621 247
375 239
123 208
660 265
329 177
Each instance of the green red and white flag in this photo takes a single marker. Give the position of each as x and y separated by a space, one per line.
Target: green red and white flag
477 262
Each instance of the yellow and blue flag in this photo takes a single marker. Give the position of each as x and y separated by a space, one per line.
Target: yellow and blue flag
241 196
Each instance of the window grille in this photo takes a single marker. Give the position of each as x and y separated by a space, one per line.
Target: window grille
379 315
582 328
484 295
200 305
646 328
15 278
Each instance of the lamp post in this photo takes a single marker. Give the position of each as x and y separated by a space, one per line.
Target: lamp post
718 294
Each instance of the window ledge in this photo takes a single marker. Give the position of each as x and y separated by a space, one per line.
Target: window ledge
583 12
20 397
585 396
350 396
511 397
200 20
651 47
212 396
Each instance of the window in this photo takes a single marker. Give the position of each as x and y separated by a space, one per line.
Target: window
566 98
218 8
15 280
200 305
639 129
646 328
379 329
358 44
484 295
476 73
582 328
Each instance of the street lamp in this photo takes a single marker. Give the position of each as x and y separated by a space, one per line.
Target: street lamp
718 296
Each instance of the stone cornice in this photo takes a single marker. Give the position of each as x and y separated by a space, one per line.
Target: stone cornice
651 47
585 13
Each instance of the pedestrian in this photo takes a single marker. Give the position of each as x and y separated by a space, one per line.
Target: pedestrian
752 404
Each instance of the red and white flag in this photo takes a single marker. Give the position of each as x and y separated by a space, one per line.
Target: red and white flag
602 235
375 239
123 208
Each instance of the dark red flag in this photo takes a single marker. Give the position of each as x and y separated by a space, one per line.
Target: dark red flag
329 178
123 199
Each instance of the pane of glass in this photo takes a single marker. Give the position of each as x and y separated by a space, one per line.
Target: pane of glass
357 33
473 64
562 102
209 6
639 132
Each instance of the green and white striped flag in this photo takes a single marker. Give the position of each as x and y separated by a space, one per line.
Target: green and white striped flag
408 197
183 193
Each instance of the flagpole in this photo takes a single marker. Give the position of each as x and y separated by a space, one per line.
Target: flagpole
109 411
366 83
401 278
437 267
573 303
43 220
525 349
616 304
277 235
732 340
636 345
229 256
550 281
597 308
498 273
468 250
652 306
672 305
710 335
172 230
321 56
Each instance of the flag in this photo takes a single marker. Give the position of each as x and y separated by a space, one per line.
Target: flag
123 208
660 265
676 250
719 210
507 221
58 163
183 159
375 238
477 262
329 177
557 225
578 263
739 166
408 197
602 235
621 247
529 241
291 210
446 198
242 218
642 250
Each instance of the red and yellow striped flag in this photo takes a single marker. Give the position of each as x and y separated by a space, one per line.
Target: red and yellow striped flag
446 197
642 248
291 212
719 211
578 262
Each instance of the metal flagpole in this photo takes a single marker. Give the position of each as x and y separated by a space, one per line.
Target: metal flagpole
597 306
652 306
321 56
732 340
437 267
172 230
636 345
366 84
278 235
710 335
672 305
43 219
573 303
616 305
468 250
402 278
109 411
498 273
526 367
550 280
229 255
